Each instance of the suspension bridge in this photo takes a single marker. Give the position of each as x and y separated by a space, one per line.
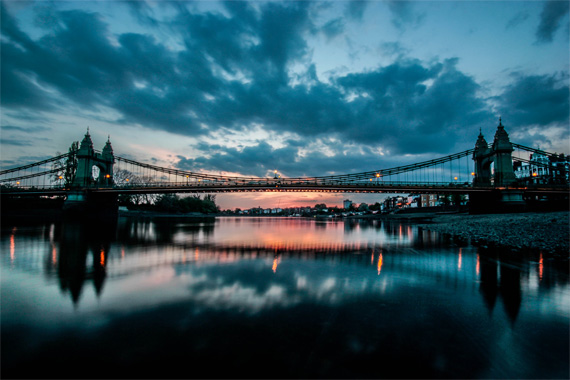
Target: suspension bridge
484 169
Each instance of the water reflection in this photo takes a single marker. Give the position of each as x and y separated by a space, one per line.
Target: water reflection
84 248
500 278
350 299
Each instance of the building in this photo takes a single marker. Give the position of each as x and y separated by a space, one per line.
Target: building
543 169
346 204
429 200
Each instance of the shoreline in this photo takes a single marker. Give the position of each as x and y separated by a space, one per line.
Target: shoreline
547 232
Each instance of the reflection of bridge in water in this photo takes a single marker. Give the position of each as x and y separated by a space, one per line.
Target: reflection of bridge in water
74 255
492 172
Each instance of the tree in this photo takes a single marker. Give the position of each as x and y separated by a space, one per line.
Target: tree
375 207
66 167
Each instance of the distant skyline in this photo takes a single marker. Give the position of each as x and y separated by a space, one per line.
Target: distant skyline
302 87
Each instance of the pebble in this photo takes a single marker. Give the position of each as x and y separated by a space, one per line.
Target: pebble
548 232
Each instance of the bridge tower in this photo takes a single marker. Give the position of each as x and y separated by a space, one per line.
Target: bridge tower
80 200
500 153
87 158
502 150
483 157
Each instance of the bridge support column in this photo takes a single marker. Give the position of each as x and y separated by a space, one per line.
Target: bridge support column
497 201
512 201
83 204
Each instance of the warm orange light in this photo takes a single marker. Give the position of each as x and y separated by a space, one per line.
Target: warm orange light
108 176
459 262
60 177
478 265
540 267
17 183
472 173
534 174
276 262
127 180
379 263
12 246
377 175
455 178
102 258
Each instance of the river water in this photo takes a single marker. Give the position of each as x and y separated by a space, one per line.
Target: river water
275 298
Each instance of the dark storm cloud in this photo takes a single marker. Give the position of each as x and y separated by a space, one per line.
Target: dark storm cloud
262 158
532 100
232 70
552 14
406 113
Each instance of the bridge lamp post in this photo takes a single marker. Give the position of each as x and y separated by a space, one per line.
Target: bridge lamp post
187 179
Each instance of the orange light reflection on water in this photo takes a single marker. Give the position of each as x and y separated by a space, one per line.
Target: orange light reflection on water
477 266
53 254
276 262
102 258
540 267
12 246
459 262
379 263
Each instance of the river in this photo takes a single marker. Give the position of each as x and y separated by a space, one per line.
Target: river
275 298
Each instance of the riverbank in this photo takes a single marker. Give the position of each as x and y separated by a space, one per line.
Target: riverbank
548 232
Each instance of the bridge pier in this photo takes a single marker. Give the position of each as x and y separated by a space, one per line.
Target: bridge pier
84 204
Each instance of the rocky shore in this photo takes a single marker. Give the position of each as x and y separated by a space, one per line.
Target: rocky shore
548 232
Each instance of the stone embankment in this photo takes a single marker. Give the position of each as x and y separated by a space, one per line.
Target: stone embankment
548 232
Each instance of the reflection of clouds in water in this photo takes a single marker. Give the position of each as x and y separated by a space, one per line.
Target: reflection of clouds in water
258 293
242 298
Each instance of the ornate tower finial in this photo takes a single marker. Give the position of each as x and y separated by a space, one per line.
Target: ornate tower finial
500 122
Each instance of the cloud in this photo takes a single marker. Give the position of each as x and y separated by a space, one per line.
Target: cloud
34 129
552 14
247 67
355 8
333 28
517 19
403 14
536 100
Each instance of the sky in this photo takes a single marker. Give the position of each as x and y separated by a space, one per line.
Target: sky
303 87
